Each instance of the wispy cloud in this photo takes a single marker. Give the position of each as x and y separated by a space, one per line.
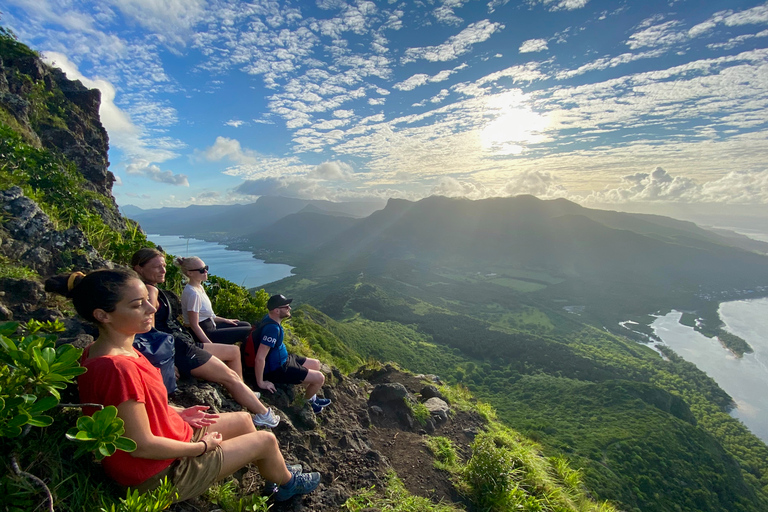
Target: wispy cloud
456 45
533 45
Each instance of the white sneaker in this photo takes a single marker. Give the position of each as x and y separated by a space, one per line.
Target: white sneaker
268 419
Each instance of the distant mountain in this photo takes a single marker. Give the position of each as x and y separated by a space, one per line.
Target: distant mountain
613 264
219 221
130 210
298 233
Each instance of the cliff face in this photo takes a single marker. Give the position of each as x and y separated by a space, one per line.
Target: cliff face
57 114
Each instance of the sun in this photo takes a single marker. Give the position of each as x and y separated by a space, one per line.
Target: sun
513 125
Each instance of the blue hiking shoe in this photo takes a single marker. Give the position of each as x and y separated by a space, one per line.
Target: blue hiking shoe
300 484
323 402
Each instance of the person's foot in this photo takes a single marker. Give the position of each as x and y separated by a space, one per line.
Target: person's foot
268 419
295 469
299 484
318 404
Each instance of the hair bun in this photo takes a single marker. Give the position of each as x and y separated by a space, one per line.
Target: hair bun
72 278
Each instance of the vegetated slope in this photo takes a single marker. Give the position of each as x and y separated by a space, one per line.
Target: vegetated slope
298 233
651 434
216 221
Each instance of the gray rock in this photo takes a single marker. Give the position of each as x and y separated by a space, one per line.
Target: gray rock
388 392
438 408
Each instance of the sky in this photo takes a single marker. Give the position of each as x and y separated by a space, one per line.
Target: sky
637 105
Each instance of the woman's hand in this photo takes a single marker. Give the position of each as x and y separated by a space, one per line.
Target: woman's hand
232 321
212 440
197 417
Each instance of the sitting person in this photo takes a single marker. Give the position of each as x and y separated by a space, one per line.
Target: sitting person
192 448
266 353
202 361
197 310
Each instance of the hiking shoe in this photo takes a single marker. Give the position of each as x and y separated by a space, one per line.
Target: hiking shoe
316 408
302 484
295 469
268 419
322 402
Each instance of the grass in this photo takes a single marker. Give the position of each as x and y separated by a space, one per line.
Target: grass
396 498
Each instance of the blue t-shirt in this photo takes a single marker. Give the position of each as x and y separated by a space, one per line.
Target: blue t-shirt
272 336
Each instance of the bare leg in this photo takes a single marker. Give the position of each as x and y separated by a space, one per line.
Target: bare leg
216 371
229 354
243 444
314 381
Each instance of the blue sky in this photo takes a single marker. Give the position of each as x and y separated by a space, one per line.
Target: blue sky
603 102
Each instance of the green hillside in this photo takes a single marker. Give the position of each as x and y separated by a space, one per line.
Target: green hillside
649 433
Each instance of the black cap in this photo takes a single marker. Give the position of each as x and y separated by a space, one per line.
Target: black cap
276 301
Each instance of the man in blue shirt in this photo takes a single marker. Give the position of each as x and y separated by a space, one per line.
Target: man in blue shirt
273 363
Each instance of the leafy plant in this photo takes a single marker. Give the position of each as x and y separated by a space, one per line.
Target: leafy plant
396 499
153 501
30 381
101 433
225 495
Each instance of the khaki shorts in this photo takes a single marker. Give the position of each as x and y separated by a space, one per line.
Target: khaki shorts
191 476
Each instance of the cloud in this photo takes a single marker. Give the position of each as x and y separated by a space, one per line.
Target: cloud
560 5
411 82
234 123
332 171
154 173
230 149
171 21
540 184
736 187
456 45
533 45
664 34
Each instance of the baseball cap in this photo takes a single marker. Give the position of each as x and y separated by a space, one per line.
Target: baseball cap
276 301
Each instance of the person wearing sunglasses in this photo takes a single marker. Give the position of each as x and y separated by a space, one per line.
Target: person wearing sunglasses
198 312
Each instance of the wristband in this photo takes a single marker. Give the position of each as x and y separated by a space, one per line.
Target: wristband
204 449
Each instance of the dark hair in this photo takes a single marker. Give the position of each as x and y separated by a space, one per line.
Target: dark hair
143 256
101 289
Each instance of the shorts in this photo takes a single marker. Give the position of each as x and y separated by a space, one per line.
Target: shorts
292 372
189 356
191 476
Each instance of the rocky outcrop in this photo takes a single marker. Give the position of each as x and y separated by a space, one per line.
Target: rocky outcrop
61 115
31 239
355 441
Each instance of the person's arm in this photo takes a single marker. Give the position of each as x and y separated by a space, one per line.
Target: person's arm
260 362
194 318
150 446
152 294
232 321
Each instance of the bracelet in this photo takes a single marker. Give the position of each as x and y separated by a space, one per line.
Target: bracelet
205 449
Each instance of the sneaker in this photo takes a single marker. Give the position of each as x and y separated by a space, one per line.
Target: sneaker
302 484
295 469
268 419
316 408
323 402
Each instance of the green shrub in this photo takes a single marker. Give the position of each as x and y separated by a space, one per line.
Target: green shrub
153 501
444 451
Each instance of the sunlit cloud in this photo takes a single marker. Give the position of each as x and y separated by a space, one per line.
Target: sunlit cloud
533 45
154 173
456 45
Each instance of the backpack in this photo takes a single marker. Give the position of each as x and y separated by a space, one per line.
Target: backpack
251 345
158 347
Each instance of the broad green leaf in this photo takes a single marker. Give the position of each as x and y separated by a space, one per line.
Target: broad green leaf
41 421
125 444
44 404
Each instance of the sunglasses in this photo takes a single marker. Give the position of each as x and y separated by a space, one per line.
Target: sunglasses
201 270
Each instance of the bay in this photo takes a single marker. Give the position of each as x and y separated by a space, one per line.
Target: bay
240 267
744 379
